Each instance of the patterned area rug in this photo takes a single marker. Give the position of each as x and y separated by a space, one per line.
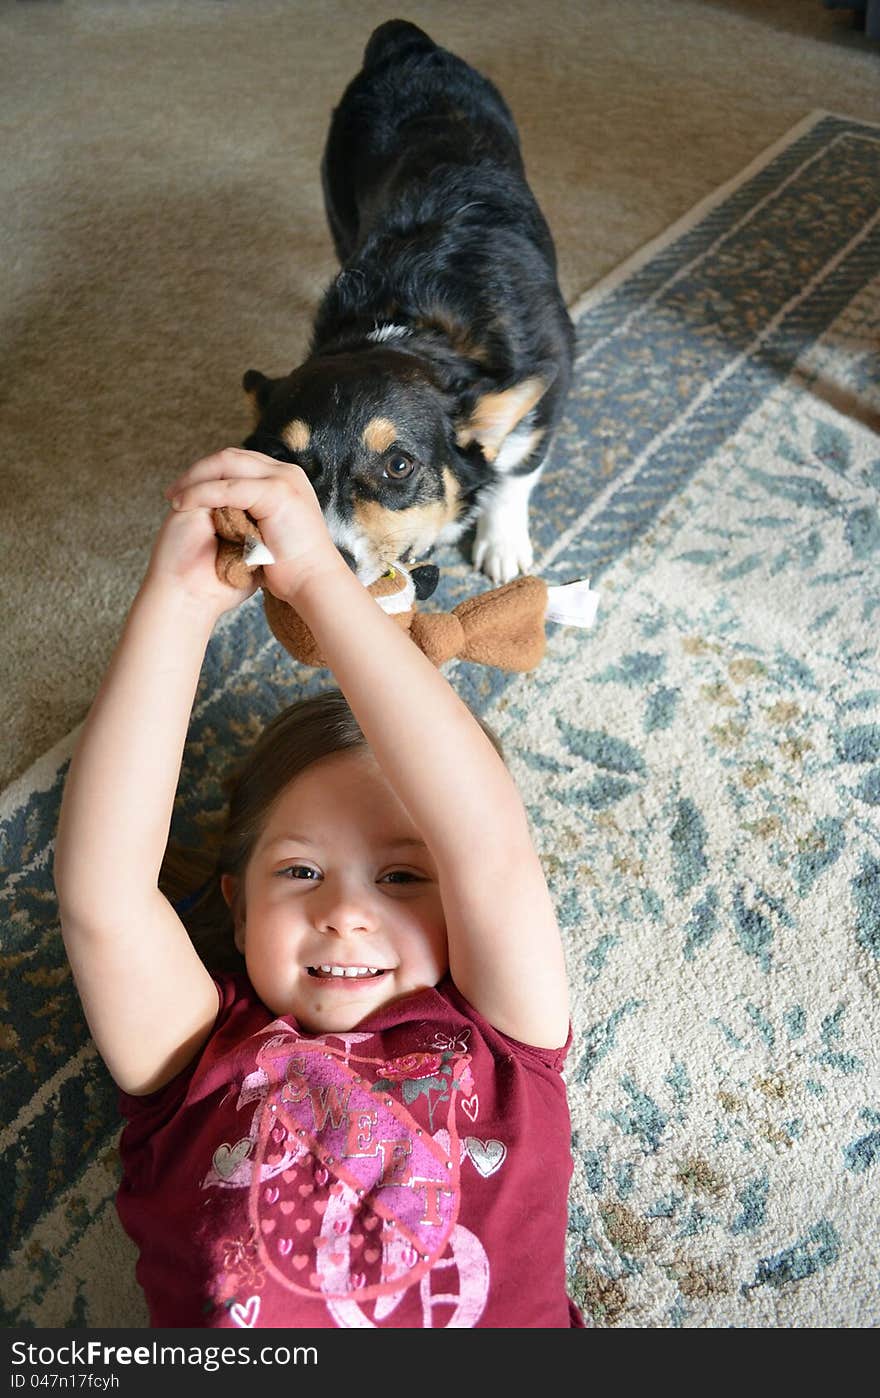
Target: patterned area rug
703 774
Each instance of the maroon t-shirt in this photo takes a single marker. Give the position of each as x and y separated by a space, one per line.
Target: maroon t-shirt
410 1173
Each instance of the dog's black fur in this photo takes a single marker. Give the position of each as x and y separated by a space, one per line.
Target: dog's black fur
441 355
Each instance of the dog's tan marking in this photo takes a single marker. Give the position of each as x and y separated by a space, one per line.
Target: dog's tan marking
392 532
379 434
496 414
458 335
297 434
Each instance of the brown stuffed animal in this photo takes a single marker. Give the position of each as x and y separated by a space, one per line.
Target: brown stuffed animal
503 627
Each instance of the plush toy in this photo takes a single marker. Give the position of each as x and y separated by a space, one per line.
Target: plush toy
503 627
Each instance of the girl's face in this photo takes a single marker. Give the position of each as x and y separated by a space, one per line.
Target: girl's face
340 912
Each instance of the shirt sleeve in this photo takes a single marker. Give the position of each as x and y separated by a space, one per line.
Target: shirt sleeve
553 1058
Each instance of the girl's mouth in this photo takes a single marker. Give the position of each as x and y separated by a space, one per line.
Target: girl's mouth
348 973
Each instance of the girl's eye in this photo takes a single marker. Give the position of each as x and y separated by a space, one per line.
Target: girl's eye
398 466
299 871
401 876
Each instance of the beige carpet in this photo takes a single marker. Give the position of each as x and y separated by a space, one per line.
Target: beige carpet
161 230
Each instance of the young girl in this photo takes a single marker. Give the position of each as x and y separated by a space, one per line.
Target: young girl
370 1127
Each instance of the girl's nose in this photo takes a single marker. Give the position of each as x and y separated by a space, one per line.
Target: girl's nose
343 911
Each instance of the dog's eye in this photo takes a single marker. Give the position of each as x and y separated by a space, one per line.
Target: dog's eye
398 466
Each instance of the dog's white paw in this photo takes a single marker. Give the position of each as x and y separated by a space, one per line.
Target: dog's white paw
501 556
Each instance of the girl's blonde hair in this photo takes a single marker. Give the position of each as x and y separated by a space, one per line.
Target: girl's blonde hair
299 736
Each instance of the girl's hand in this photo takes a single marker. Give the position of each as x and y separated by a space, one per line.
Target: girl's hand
278 497
185 554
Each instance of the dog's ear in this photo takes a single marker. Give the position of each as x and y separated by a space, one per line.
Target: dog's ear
495 414
257 387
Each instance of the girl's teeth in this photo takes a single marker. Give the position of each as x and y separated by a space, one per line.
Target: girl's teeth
348 970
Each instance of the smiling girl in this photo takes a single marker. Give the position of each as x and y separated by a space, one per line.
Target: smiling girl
367 1125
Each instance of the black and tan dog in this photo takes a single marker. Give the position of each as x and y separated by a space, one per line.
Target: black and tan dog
441 355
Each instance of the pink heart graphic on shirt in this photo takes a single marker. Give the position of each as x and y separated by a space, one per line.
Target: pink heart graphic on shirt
270 1193
370 1254
245 1316
355 1241
442 1139
285 1246
267 1224
470 1106
300 1260
287 1206
441 1148
278 1134
305 1190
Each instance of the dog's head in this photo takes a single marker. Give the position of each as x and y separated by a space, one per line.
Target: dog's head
396 447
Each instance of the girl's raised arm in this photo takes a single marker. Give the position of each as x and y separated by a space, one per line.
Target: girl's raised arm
149 1001
505 951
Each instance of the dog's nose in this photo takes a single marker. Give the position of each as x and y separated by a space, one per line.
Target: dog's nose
349 558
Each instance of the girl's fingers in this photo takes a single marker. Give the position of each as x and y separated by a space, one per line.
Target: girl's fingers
232 462
256 496
196 524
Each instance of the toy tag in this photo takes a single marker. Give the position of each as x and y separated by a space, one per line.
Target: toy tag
572 604
256 554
